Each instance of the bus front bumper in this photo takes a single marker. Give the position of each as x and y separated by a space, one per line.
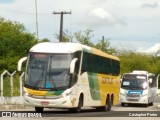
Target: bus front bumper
49 103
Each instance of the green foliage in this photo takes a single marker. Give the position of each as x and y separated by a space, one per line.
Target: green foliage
138 61
7 87
44 40
66 37
84 38
15 43
104 45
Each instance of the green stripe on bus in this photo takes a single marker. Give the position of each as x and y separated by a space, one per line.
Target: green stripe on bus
94 86
55 92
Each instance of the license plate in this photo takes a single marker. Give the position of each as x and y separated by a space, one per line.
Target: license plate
44 103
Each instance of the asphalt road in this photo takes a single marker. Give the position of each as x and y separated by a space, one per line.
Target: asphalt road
117 112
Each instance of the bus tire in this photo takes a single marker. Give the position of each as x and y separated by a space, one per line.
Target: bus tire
80 105
39 109
107 106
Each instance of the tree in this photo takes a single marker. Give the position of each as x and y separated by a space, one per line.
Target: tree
138 61
104 45
85 37
44 40
15 42
66 36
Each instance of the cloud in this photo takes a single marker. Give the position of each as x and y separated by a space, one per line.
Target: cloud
99 17
101 14
150 5
151 50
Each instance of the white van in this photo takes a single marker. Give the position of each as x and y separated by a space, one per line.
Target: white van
138 87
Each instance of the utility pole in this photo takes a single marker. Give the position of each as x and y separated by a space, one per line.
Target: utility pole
61 24
36 18
103 44
103 38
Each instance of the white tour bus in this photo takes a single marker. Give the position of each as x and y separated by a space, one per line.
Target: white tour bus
138 87
70 75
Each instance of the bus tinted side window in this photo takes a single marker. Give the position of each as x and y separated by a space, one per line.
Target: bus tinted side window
116 67
97 64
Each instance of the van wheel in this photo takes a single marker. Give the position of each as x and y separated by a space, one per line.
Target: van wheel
39 109
151 104
146 105
122 104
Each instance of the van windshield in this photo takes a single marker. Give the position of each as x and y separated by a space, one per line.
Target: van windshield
134 81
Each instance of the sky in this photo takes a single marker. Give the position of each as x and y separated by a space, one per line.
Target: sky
128 24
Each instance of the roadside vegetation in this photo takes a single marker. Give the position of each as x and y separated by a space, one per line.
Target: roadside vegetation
15 42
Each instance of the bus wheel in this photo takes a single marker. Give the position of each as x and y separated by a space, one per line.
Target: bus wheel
80 104
39 109
108 105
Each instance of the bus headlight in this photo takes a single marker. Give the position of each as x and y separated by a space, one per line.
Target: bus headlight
66 93
25 92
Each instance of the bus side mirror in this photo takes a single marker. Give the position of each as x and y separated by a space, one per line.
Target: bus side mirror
150 80
72 65
19 67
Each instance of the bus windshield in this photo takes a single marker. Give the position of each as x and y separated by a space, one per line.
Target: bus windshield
48 71
134 81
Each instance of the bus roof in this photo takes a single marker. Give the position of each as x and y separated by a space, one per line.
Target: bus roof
67 47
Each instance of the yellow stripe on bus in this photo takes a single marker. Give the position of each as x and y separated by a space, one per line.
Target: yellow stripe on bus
108 85
100 53
36 92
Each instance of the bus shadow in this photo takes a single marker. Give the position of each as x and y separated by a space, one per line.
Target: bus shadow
137 105
65 111
68 113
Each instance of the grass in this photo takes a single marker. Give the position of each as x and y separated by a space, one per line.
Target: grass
7 86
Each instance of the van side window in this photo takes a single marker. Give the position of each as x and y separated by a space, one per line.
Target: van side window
153 83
